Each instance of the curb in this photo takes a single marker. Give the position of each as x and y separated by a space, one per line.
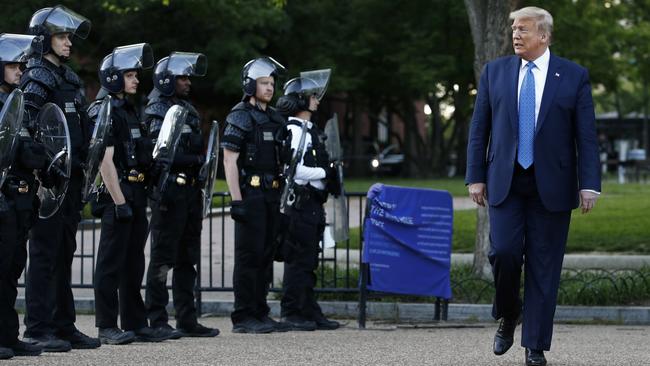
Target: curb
404 312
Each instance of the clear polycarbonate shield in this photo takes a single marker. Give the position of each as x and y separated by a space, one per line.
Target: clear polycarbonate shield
170 134
262 67
336 207
187 63
96 148
134 56
63 20
19 47
11 118
208 172
321 78
52 132
288 196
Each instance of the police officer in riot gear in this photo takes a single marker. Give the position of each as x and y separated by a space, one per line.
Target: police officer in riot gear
250 157
123 201
50 312
18 202
306 216
177 216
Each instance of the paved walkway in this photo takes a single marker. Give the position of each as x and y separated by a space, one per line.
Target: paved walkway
381 344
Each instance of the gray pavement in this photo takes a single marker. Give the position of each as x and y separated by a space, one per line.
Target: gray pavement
380 344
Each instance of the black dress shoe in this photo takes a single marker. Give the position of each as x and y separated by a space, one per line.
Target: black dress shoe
148 334
49 343
298 323
21 348
279 327
6 353
170 331
535 357
198 330
322 323
504 336
253 326
79 340
115 336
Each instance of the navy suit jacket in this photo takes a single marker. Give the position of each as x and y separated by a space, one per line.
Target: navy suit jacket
565 148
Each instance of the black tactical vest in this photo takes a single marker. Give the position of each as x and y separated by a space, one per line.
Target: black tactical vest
260 149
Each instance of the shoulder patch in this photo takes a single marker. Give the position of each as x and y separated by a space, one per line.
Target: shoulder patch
240 119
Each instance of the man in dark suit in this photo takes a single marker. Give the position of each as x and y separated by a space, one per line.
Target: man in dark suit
533 155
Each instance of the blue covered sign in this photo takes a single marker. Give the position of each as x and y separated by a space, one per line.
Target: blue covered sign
407 240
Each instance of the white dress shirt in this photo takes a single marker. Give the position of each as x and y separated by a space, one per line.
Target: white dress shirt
539 72
305 174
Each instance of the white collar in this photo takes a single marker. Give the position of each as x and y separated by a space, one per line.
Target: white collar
541 62
302 121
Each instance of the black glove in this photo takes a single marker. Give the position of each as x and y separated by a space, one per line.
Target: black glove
162 164
333 184
123 212
238 211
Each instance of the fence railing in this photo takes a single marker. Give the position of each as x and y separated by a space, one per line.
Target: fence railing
337 272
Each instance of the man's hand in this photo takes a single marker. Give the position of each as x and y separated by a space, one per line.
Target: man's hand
587 200
478 193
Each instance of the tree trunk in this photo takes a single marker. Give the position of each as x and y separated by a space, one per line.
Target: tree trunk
488 20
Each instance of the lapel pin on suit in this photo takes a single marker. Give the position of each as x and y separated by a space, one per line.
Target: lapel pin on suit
557 74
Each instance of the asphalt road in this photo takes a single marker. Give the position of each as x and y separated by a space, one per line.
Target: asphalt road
380 344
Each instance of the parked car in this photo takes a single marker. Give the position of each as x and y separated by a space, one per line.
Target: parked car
387 161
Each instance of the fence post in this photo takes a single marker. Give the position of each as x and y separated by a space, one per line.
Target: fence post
363 294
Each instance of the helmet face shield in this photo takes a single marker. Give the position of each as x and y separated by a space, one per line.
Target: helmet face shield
63 20
263 67
319 77
18 48
135 56
309 83
187 64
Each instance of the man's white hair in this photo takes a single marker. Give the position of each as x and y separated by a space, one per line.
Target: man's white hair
542 18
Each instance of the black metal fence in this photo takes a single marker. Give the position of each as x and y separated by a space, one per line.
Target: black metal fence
338 266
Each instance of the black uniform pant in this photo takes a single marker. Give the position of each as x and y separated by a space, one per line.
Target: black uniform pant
175 244
300 250
255 246
52 243
120 268
14 226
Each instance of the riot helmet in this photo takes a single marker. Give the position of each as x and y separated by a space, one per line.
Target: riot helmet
47 22
177 64
257 68
17 49
124 58
298 91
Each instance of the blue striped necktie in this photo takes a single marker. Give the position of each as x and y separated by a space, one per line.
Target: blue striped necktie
527 118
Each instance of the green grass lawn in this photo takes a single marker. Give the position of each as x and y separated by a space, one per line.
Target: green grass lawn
619 223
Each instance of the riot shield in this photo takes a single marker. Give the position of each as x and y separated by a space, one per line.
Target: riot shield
52 132
96 148
11 118
170 134
208 171
288 197
337 207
